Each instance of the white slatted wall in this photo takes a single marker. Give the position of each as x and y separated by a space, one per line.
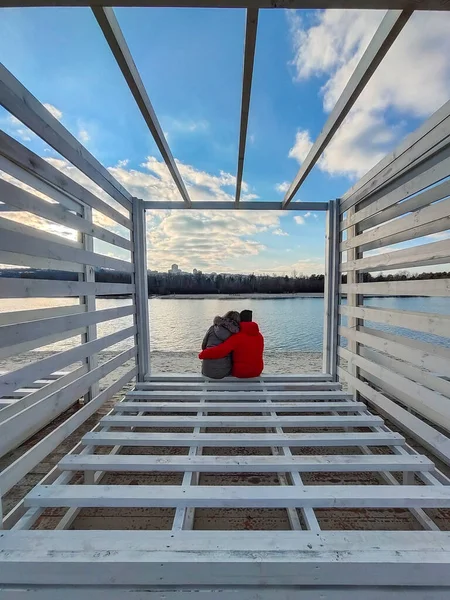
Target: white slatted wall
397 218
60 342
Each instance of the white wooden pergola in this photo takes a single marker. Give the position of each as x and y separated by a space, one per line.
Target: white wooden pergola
283 428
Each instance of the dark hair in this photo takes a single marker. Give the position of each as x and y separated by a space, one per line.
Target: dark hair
233 315
246 316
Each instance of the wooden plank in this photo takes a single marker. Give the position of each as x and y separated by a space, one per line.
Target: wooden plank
421 376
25 107
425 221
409 152
21 426
418 321
24 332
17 349
23 465
141 281
12 287
426 402
422 354
414 202
32 246
387 32
248 558
435 253
48 175
249 407
231 396
8 226
42 368
38 262
314 496
429 437
31 203
417 287
266 378
251 28
249 421
21 316
43 392
227 205
118 45
236 385
247 464
247 440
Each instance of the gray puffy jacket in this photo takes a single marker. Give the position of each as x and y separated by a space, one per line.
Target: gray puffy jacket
220 331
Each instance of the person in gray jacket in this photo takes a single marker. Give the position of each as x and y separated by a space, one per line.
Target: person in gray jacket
221 329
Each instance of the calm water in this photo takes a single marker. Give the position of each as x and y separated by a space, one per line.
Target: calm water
292 324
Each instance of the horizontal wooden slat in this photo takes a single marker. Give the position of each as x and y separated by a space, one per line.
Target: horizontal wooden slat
426 402
418 321
251 407
249 440
191 377
29 373
435 253
43 288
314 496
22 425
237 385
17 349
415 202
23 200
23 465
438 170
430 438
39 168
38 262
247 464
25 107
411 150
424 355
32 330
30 245
422 376
232 396
21 316
417 287
43 392
422 222
8 226
250 421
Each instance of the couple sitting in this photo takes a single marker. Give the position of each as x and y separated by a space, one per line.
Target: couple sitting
234 346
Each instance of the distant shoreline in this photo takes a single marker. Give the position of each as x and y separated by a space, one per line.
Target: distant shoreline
237 296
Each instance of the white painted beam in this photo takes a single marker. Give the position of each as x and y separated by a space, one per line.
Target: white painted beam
246 407
390 27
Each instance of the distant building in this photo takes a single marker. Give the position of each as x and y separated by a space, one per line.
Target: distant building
174 270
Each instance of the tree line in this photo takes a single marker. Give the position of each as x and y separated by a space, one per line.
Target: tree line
164 284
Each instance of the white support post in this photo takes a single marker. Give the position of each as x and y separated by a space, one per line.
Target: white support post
89 302
326 295
335 278
141 295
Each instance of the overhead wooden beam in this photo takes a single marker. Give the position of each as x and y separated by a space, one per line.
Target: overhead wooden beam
274 4
119 47
213 205
25 107
384 37
249 59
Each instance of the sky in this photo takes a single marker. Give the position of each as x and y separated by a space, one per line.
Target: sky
191 63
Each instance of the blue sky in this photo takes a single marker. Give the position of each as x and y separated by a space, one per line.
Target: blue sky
191 62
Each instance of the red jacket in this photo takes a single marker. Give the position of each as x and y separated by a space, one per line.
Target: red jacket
247 347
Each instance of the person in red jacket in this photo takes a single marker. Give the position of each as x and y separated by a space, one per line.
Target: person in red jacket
247 347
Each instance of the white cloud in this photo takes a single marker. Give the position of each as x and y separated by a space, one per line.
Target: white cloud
279 232
186 125
412 81
307 215
55 112
301 147
123 163
299 220
282 187
83 136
